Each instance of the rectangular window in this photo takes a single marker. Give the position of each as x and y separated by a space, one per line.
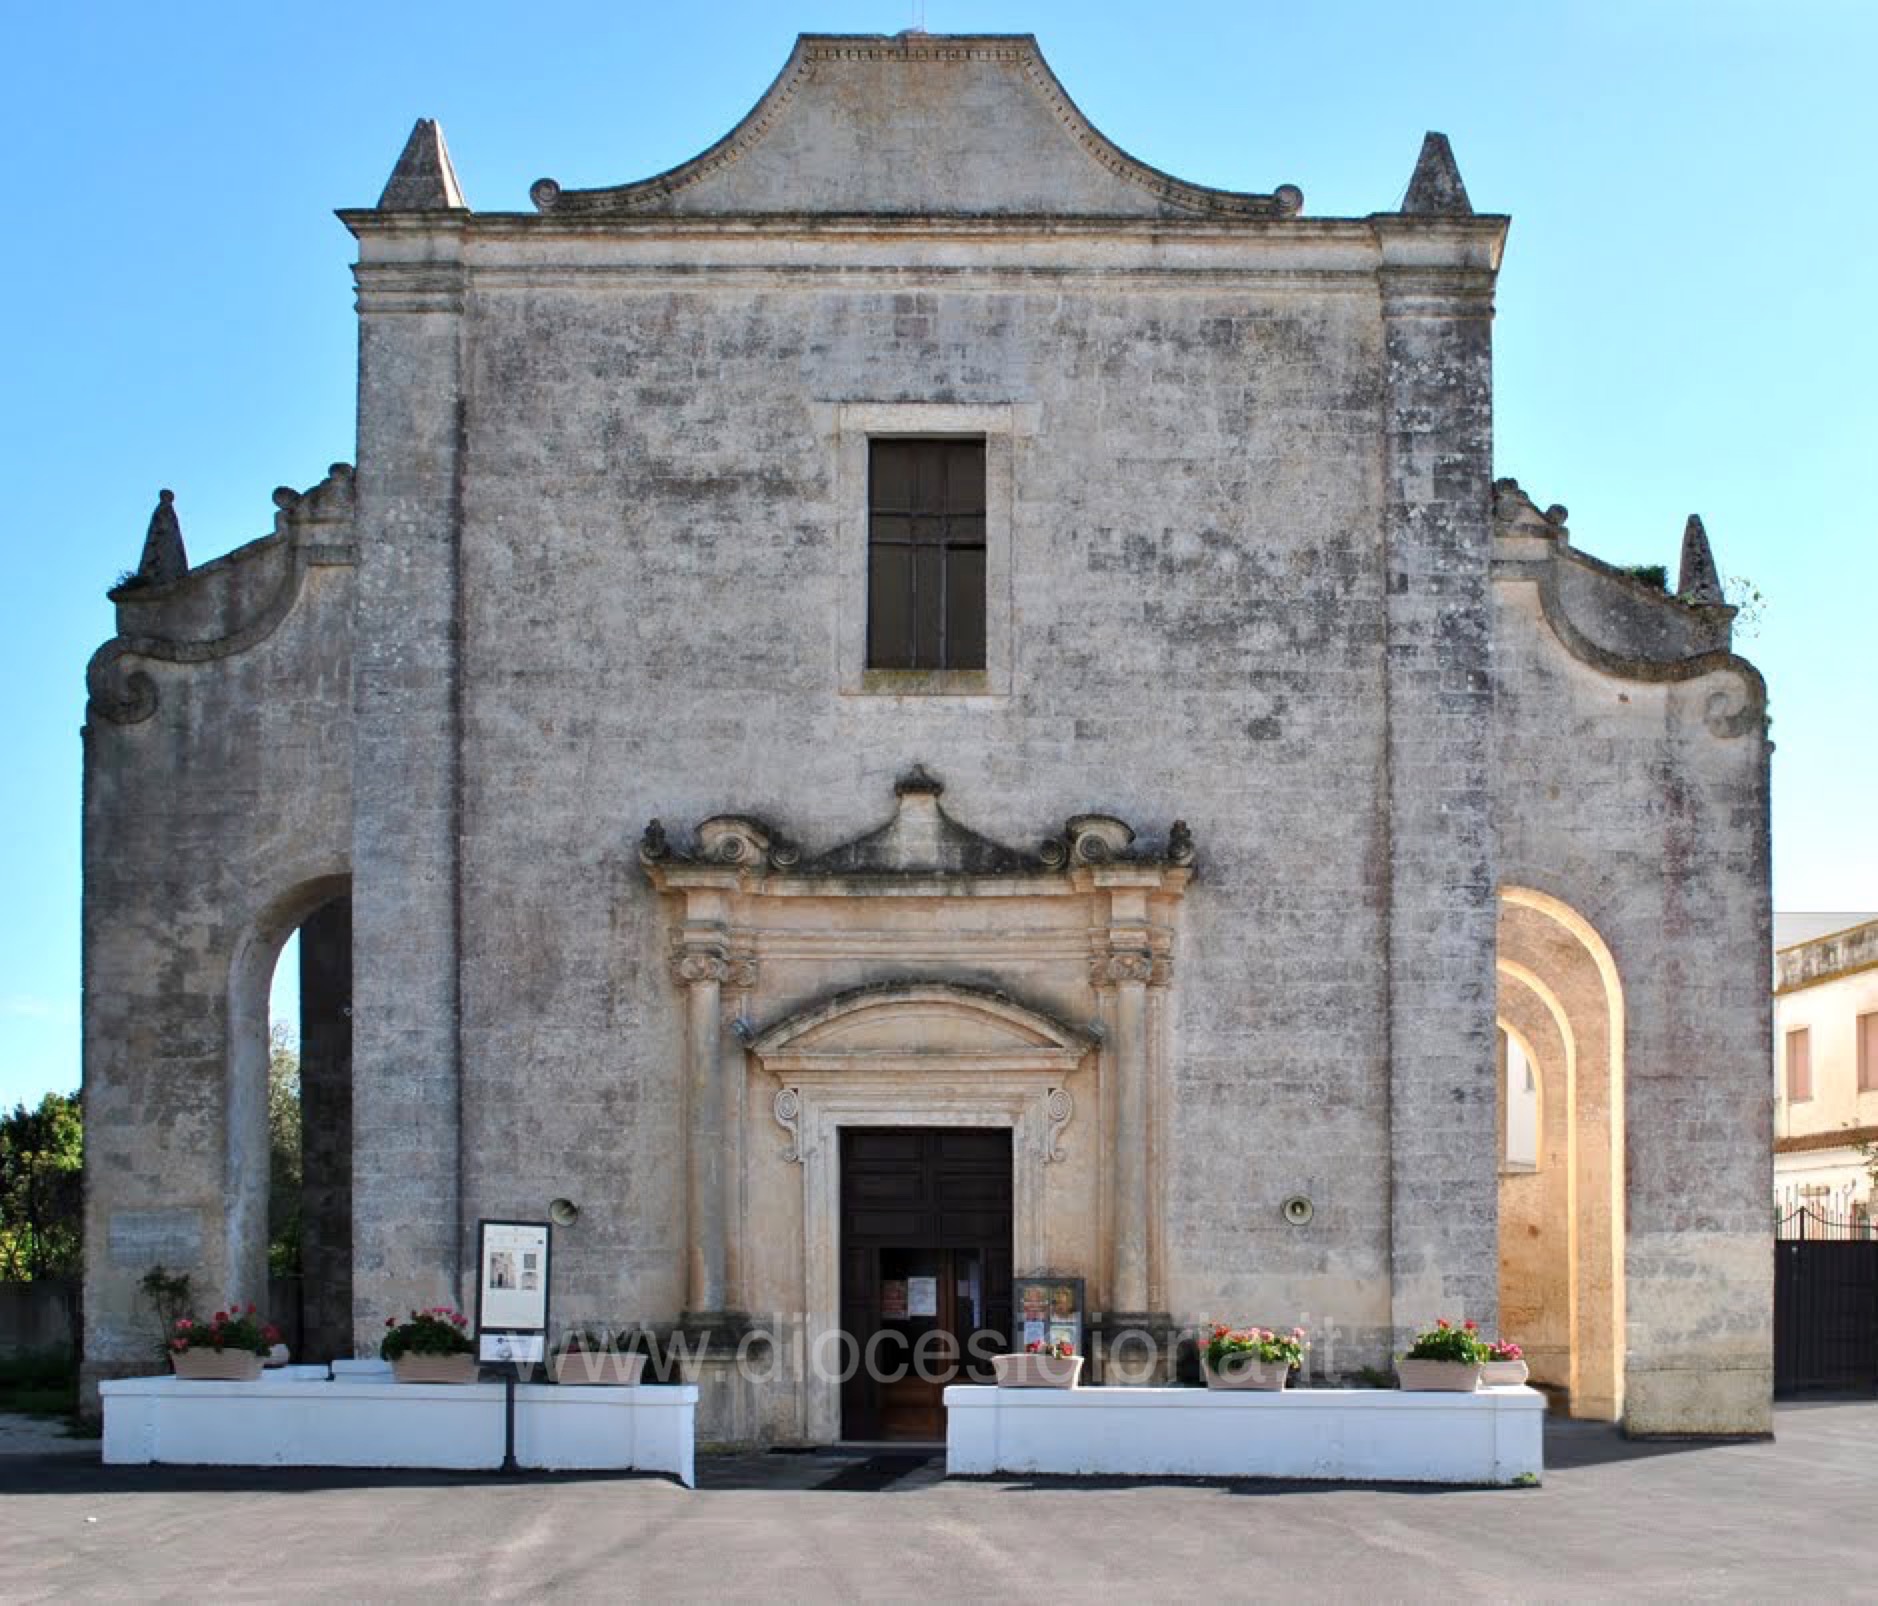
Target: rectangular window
926 554
1868 1053
1799 1065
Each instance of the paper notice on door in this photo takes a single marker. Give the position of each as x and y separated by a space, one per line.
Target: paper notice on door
893 1299
922 1296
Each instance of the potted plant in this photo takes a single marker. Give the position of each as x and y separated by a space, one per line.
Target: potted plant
1040 1366
1445 1357
1251 1357
432 1347
589 1355
229 1347
1505 1364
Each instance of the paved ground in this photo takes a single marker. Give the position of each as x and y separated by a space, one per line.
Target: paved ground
37 1436
1789 1519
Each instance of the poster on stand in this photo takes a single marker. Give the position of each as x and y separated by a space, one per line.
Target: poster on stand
512 1260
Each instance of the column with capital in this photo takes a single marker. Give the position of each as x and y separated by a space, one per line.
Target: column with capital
1128 973
701 965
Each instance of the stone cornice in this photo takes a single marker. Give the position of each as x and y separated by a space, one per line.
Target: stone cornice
921 851
1826 958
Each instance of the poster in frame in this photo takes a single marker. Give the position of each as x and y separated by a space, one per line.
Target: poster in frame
513 1263
1048 1310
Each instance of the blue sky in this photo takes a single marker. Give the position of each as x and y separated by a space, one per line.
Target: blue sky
1686 315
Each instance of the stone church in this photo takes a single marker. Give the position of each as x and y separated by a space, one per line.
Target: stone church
912 702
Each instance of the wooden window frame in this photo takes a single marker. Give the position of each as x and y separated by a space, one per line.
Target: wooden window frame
926 553
1006 429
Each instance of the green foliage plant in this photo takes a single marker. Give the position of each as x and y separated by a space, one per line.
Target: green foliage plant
437 1331
1446 1342
1229 1348
235 1328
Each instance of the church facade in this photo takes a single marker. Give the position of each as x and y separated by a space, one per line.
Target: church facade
915 702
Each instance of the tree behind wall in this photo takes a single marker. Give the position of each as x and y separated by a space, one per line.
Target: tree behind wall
284 1167
42 1190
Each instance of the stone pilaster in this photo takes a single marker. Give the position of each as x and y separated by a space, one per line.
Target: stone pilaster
1130 963
1437 306
409 1235
701 965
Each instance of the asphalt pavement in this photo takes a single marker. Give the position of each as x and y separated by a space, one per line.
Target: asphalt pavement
1791 1518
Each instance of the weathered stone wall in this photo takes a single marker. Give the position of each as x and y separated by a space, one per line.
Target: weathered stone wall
1634 790
217 816
651 600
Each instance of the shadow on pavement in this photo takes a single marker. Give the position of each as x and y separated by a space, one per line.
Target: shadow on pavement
88 1476
1595 1444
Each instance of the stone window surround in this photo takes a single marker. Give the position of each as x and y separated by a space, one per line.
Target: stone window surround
1001 426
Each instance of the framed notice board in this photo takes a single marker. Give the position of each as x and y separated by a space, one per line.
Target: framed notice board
1048 1310
512 1290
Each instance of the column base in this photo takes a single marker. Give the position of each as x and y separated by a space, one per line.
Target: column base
1135 1347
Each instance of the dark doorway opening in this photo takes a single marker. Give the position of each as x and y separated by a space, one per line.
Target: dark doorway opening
310 1142
925 1271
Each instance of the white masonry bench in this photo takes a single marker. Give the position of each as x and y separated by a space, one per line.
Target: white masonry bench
297 1417
1358 1435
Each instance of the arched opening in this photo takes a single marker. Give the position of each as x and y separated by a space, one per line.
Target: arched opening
290 1117
1561 1016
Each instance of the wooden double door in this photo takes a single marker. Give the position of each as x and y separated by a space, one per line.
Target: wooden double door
925 1271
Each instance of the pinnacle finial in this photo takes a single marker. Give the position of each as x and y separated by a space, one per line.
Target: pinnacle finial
163 556
425 178
1436 190
918 781
1698 580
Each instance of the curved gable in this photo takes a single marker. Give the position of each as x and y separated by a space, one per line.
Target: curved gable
917 124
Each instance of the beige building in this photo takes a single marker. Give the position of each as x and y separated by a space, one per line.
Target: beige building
1825 1063
914 702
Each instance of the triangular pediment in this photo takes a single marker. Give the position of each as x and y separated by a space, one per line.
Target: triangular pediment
915 125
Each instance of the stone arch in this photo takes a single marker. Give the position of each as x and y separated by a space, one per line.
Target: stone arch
1562 1228
256 953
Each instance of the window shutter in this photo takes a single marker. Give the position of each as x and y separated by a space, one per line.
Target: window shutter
926 554
1799 1065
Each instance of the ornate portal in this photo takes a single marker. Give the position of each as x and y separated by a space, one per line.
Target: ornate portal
922 975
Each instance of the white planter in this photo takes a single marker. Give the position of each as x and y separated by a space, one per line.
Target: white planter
1502 1374
599 1368
216 1365
435 1369
309 1422
1380 1435
1438 1377
1247 1372
1036 1371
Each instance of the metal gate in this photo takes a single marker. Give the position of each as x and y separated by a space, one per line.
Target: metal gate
1825 1303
